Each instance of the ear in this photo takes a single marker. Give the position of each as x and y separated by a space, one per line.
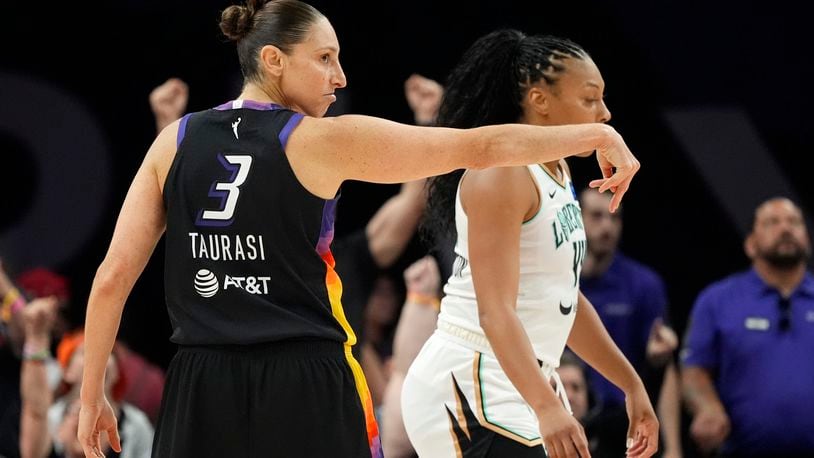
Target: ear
272 59
538 100
749 246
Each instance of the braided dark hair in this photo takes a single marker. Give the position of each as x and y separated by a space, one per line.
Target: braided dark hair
487 87
282 23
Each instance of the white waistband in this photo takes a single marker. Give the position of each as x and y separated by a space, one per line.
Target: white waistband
481 344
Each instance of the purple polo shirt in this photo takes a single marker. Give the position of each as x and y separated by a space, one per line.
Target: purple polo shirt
628 297
764 375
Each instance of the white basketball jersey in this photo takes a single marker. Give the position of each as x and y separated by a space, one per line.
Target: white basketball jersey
552 248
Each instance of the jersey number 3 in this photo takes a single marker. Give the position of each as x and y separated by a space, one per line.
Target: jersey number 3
227 191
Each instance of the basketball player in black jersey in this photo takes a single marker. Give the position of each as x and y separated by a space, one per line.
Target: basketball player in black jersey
246 194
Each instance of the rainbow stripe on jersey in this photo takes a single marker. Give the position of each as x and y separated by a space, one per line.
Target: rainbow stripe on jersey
334 286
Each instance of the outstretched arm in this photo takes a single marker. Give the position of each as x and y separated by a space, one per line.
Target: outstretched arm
324 152
139 227
590 341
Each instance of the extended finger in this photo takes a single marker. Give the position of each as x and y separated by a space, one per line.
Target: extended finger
91 448
97 443
638 449
632 437
581 444
636 446
115 441
616 200
645 440
599 183
596 183
569 447
615 180
554 449
648 449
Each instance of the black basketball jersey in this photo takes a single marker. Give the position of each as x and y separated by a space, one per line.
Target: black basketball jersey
248 255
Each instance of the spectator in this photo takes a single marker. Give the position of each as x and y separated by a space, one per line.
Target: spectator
361 256
747 364
14 295
631 301
146 381
381 315
572 373
11 336
415 325
49 423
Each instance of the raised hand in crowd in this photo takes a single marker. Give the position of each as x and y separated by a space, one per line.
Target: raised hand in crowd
424 97
168 102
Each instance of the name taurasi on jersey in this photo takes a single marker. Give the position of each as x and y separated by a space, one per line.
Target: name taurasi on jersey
222 247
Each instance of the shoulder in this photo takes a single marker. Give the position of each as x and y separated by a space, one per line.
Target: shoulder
166 143
326 141
509 181
173 132
723 289
507 188
329 129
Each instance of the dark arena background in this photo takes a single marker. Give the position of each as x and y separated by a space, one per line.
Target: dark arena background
715 99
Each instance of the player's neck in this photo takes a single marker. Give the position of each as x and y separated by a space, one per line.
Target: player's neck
258 94
555 170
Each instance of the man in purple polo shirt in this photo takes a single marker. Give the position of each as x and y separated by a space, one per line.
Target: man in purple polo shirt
748 356
631 301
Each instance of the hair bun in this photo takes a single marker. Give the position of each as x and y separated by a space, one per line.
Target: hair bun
235 21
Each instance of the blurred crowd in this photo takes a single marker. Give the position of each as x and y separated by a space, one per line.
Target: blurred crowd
738 382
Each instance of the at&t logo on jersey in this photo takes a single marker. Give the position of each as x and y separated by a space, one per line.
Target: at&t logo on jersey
207 284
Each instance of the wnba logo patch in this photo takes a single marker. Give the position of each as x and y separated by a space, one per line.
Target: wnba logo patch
206 284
